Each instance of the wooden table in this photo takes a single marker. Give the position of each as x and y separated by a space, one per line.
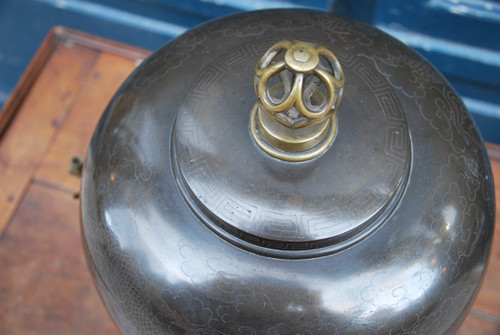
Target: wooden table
45 287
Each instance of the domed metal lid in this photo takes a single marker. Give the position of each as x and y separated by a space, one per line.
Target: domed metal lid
291 146
203 165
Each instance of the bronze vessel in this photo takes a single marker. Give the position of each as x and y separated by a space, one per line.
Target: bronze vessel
287 172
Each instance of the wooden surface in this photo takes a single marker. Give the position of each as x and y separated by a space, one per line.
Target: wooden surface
45 287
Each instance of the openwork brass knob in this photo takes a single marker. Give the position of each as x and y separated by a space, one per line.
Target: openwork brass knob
299 85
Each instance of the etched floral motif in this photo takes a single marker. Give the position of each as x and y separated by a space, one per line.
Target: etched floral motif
338 29
175 54
193 263
253 24
198 314
401 324
398 285
404 71
125 290
359 329
435 100
454 216
224 303
488 194
440 320
448 116
191 309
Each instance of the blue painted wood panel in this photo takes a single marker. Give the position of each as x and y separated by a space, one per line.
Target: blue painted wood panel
144 23
460 37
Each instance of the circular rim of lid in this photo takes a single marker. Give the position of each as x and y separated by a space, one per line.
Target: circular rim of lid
194 139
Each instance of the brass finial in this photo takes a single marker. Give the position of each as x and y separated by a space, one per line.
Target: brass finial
299 86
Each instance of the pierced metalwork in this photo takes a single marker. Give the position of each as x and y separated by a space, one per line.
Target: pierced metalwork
299 85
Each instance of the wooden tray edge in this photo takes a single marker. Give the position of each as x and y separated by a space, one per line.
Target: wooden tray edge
58 35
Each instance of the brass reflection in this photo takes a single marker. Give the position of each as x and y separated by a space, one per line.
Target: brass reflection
299 85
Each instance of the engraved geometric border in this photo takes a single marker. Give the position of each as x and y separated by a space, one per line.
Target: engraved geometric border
396 148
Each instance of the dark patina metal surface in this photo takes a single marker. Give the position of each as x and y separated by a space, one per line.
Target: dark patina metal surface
190 228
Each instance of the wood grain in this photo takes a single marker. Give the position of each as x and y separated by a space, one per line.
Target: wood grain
474 325
74 136
26 81
488 300
46 287
39 117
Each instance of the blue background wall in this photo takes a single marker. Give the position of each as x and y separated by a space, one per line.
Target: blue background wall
460 37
